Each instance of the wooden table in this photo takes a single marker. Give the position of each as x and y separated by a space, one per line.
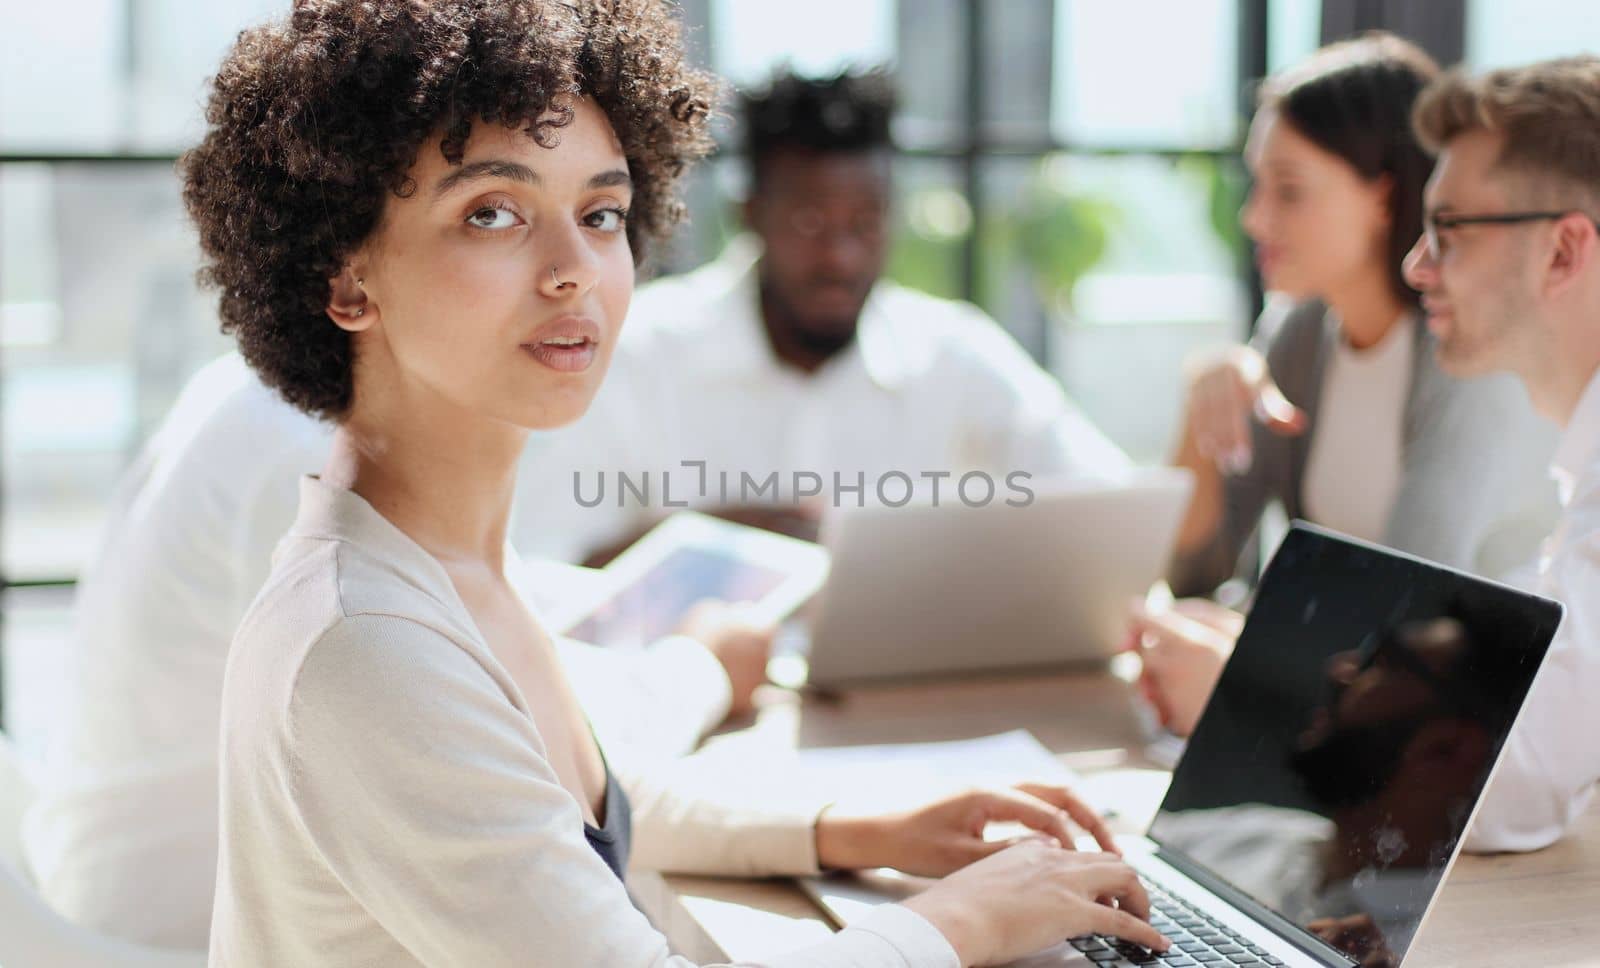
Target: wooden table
1546 905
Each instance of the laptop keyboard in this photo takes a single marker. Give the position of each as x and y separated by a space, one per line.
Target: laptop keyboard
1198 939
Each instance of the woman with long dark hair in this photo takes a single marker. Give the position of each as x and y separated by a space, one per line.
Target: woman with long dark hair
1337 410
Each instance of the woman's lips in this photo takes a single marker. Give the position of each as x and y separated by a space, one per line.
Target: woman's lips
563 357
565 344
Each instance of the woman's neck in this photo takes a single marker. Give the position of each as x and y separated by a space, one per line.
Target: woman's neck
443 476
1367 309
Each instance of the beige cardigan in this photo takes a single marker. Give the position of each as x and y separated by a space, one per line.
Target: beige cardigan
387 800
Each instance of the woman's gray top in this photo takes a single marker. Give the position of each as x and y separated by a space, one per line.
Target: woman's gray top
1474 491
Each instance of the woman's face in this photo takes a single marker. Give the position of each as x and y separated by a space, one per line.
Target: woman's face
1316 223
498 286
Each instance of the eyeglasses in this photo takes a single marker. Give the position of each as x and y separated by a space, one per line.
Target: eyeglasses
1432 224
809 222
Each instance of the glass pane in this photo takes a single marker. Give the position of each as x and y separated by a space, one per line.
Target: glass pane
932 221
1165 284
1503 34
58 88
100 324
931 73
110 84
749 40
1141 73
712 192
1019 66
1023 243
1294 30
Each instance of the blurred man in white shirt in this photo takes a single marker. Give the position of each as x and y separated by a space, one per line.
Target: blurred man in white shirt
1509 270
788 375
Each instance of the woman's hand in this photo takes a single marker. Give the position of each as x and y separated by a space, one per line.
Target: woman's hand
947 835
1032 895
1184 648
742 646
1227 390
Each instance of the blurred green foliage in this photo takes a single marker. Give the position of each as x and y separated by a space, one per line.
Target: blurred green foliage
1057 232
1225 183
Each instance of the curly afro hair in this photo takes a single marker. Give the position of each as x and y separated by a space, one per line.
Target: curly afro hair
848 112
314 120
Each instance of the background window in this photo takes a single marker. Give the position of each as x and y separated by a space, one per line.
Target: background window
1146 74
1505 34
748 40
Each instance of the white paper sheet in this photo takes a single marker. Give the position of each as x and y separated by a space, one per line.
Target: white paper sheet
922 770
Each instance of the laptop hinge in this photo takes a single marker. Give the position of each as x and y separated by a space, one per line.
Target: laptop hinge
1279 925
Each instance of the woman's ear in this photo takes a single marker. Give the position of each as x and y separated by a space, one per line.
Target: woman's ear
1383 186
348 304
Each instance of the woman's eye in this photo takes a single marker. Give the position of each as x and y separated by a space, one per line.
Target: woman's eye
493 217
607 219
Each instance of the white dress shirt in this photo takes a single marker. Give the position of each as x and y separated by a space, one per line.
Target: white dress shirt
123 837
1551 763
387 798
928 387
1360 431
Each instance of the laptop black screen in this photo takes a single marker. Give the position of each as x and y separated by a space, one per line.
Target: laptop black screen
1350 736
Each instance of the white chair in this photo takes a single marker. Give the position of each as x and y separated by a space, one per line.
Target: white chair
31 934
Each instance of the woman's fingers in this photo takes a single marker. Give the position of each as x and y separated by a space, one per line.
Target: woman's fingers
1237 457
1081 813
1024 808
1275 411
1119 923
1130 919
1110 877
1222 413
1211 614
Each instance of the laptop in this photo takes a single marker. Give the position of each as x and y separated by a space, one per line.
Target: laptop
926 590
1323 796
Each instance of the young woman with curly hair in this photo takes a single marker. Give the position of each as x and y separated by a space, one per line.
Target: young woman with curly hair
424 220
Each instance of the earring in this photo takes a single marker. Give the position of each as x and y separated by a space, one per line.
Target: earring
360 311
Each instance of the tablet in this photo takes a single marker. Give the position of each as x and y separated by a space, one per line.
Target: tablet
690 557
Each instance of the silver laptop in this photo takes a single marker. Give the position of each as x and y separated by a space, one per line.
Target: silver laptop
923 590
1323 796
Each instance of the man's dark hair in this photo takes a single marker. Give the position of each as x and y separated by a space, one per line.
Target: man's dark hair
848 112
314 120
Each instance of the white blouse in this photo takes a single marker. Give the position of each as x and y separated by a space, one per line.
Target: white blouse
387 798
1354 471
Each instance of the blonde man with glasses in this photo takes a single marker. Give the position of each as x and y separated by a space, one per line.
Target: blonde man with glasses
1509 271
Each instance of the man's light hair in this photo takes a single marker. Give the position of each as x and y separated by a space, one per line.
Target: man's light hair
1548 115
